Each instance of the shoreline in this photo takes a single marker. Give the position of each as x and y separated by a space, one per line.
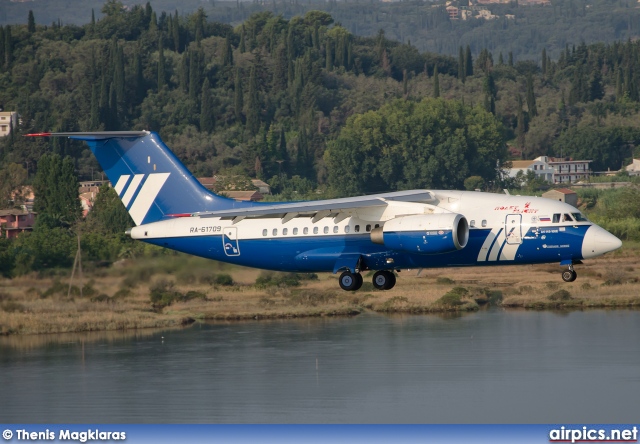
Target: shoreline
189 290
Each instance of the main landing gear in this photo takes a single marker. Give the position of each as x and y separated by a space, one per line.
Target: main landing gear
382 280
569 275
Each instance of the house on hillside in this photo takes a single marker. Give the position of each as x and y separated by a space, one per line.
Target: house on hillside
563 195
553 169
14 222
252 196
634 168
8 121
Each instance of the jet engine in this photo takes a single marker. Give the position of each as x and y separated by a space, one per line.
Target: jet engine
424 234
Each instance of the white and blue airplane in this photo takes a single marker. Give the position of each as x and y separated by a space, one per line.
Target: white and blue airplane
383 232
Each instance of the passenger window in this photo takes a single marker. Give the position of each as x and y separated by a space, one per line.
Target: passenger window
347 228
335 228
305 230
356 228
315 230
472 223
285 231
264 232
556 218
326 230
567 218
484 223
368 228
275 232
295 231
377 226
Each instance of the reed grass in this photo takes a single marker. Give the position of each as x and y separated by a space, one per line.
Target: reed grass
120 298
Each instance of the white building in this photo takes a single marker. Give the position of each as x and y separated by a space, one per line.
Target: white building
540 166
553 170
634 168
8 120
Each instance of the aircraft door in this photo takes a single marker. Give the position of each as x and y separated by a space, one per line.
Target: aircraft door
513 229
230 241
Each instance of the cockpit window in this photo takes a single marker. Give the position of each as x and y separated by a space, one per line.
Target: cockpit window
579 217
567 218
556 218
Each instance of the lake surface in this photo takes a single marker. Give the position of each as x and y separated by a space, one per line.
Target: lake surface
491 366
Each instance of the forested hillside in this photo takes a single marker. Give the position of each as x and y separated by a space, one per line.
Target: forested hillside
519 28
302 103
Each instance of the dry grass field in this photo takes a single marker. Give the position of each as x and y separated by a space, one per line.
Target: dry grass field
177 290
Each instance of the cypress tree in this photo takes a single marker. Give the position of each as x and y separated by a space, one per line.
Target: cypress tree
520 128
138 77
176 33
227 54
243 44
238 99
436 82
71 209
161 67
544 61
280 72
510 58
2 45
184 72
194 74
8 47
404 82
500 59
207 120
531 98
113 108
619 82
252 112
468 62
153 23
94 121
329 55
462 73
104 103
31 22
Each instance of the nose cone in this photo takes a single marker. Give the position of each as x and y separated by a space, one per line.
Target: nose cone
598 241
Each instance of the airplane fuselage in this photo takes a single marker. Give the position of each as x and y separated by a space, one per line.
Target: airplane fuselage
503 229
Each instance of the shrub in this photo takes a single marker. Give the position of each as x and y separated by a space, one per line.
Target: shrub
454 297
269 278
224 279
163 294
444 281
560 295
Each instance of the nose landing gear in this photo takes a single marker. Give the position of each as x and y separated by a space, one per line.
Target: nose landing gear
569 275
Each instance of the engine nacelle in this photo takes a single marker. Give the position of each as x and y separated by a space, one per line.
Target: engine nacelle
424 234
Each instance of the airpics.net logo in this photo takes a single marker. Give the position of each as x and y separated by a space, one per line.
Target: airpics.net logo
585 434
64 435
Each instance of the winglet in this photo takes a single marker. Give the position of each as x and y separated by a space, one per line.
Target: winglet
38 135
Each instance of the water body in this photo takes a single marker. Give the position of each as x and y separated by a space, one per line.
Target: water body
492 366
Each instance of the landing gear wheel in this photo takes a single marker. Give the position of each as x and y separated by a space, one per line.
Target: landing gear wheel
569 275
384 280
350 281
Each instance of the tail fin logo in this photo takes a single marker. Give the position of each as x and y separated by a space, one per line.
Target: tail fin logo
139 194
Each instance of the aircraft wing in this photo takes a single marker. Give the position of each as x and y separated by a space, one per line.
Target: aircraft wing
323 207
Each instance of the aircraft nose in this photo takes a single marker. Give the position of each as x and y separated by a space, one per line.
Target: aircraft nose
598 241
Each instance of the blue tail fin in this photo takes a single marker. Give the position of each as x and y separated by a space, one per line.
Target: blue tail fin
150 180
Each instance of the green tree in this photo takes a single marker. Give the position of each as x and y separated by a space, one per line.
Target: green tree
253 104
436 82
238 99
56 191
207 119
429 144
531 98
31 22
